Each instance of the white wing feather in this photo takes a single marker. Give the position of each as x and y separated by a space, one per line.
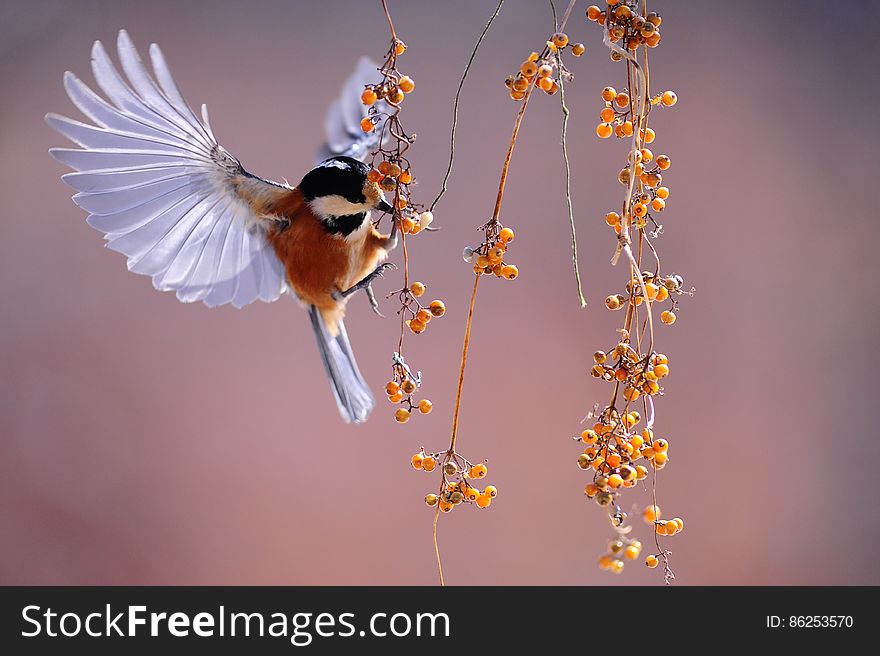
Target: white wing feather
342 125
162 190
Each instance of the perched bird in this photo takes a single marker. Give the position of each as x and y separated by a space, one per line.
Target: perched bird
184 211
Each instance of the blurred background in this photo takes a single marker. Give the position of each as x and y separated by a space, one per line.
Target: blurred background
143 441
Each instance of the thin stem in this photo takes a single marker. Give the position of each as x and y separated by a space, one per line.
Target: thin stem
467 69
464 354
388 18
437 546
519 117
574 247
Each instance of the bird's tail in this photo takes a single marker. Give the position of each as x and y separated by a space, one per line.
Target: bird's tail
353 397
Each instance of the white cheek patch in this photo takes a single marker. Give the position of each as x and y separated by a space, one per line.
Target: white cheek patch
335 205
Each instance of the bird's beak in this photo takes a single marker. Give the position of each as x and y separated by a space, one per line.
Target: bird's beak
384 206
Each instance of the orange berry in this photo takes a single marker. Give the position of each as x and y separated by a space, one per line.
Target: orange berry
560 39
424 315
491 490
652 562
417 289
658 204
368 97
609 94
484 501
651 514
641 472
367 124
374 175
478 471
660 445
431 499
546 83
660 459
510 272
528 68
679 522
578 49
401 415
425 406
591 490
429 463
615 480
545 70
392 388
663 162
621 99
406 177
445 506
593 12
415 326
506 235
589 437
417 461
406 84
662 192
626 129
669 98
649 135
668 317
603 130
399 47
632 551
437 308
661 369
612 219
607 115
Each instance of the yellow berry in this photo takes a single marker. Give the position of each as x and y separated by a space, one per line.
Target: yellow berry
417 289
425 406
668 317
401 415
431 499
652 562
669 98
491 490
506 235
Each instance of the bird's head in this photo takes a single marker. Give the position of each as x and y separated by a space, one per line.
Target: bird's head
339 187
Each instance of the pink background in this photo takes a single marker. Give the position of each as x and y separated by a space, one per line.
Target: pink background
147 442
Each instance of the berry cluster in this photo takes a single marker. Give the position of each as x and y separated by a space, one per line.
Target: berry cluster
625 24
458 476
392 171
637 374
618 451
542 70
488 257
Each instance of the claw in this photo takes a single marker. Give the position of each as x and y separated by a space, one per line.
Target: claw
373 303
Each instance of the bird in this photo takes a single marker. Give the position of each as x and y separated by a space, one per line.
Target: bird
184 211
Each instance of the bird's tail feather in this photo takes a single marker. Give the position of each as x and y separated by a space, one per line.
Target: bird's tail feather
353 396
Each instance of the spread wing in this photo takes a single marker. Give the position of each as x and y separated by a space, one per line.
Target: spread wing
342 125
163 191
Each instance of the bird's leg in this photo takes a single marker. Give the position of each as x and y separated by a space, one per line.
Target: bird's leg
365 284
390 242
